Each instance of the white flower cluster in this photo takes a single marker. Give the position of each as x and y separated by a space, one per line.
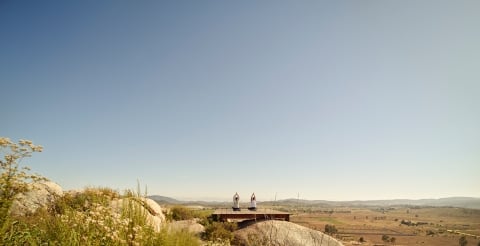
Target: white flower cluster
103 225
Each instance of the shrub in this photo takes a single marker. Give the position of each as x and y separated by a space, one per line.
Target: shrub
462 241
393 240
180 213
14 178
220 231
385 238
330 229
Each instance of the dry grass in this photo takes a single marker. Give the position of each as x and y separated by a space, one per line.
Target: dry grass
439 226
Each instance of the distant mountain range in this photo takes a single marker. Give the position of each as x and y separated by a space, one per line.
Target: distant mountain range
169 200
164 199
462 202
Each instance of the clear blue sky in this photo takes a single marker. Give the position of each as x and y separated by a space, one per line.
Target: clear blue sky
336 100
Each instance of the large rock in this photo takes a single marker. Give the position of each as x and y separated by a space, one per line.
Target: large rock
275 232
152 209
40 195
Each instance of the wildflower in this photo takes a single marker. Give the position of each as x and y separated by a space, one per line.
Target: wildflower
24 142
5 141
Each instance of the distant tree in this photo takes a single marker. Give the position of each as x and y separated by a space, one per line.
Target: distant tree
385 238
462 241
330 229
362 240
393 240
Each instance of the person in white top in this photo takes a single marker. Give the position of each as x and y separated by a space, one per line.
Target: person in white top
253 202
236 202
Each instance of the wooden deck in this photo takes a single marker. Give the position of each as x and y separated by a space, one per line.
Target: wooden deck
227 214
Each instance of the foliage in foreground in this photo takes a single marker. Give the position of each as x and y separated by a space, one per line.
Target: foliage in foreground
85 218
220 231
14 178
82 222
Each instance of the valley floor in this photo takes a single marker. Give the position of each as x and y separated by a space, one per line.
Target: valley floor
408 226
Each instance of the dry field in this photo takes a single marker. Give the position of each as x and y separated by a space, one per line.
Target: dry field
421 225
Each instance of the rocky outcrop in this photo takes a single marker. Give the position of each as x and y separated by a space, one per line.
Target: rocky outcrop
155 216
147 206
275 232
40 195
94 205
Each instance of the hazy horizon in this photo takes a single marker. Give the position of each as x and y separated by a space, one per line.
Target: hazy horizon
246 199
331 100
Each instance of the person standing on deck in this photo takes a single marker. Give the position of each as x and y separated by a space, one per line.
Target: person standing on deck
236 202
253 202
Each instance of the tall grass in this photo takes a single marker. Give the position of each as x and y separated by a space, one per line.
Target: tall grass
92 218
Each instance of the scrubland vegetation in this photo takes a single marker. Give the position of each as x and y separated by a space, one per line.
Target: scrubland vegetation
215 232
87 217
82 218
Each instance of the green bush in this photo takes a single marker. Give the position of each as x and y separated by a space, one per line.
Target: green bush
385 238
220 231
330 229
180 213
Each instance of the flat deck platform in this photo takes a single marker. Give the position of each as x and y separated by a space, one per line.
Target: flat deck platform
227 214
